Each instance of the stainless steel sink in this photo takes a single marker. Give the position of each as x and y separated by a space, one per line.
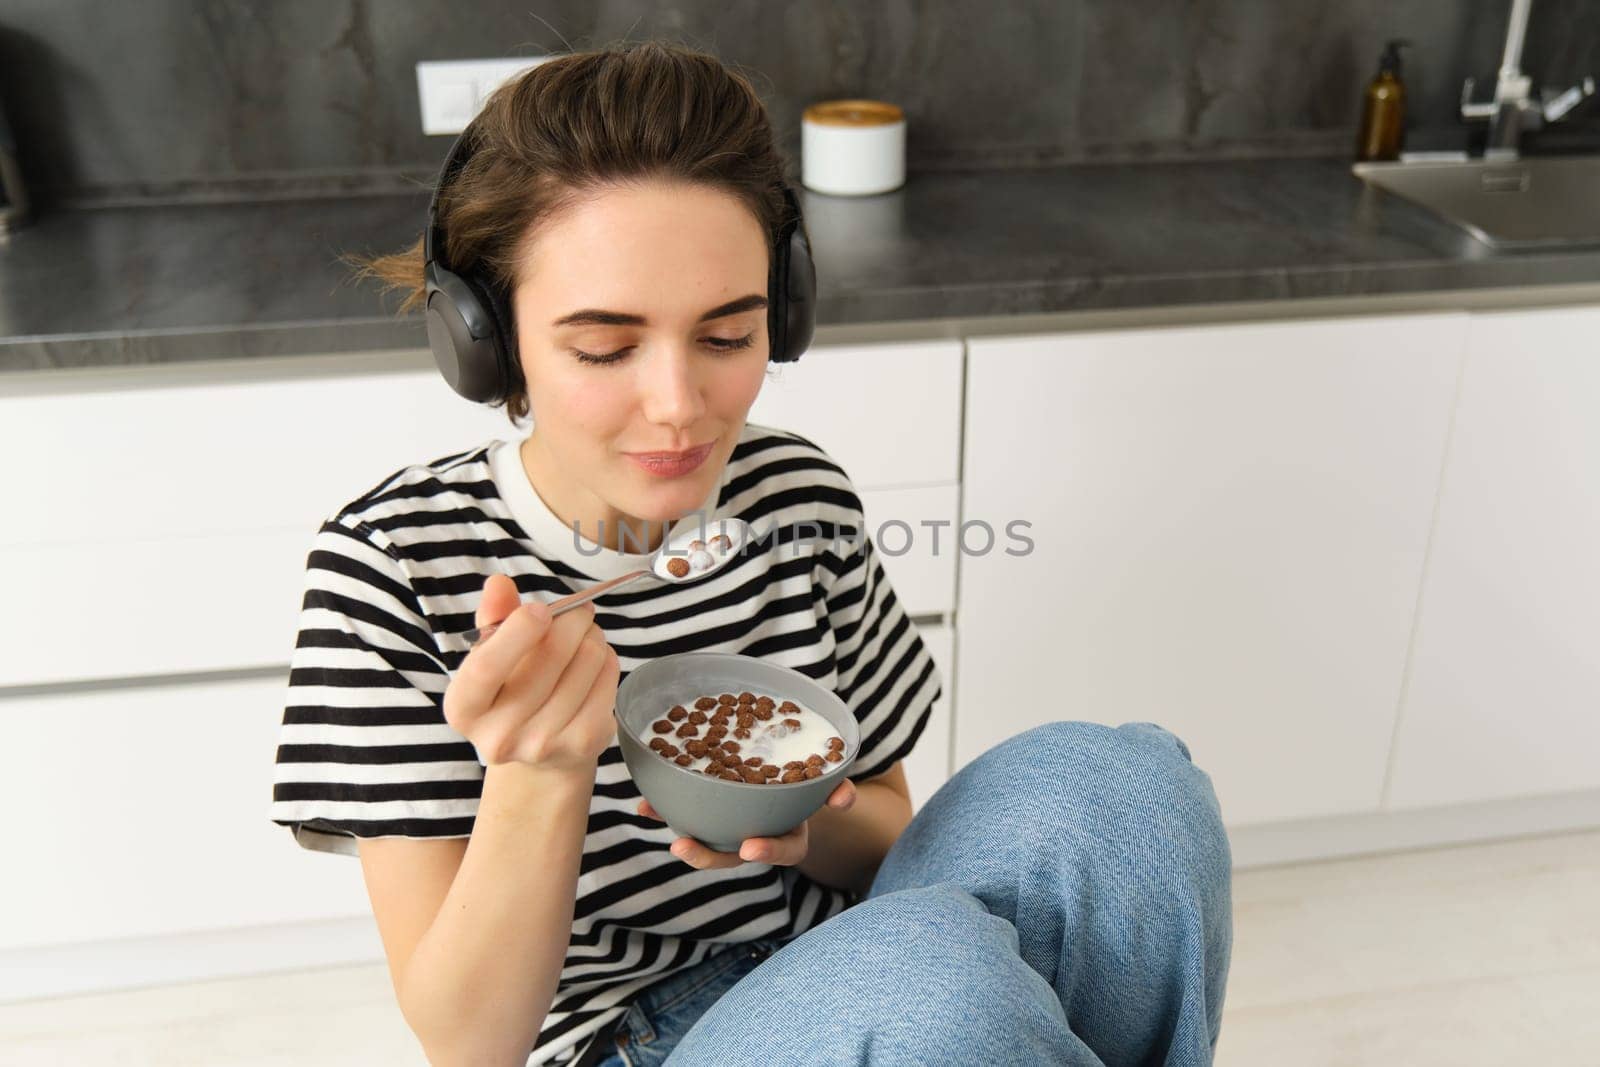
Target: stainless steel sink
1528 203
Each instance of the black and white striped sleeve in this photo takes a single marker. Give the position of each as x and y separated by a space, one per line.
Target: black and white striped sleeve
885 674
364 749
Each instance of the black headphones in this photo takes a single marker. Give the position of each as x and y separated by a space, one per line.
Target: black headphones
469 319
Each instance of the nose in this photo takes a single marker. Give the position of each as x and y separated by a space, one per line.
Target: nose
671 389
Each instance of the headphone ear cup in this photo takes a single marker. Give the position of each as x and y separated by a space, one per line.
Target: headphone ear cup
792 291
466 332
800 297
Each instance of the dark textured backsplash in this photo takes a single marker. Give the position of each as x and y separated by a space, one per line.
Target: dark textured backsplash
173 98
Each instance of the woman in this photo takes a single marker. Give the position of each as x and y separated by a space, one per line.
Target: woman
1064 899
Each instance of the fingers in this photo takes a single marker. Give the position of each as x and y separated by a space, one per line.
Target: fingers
525 717
534 678
500 599
843 799
567 701
702 858
487 667
595 716
785 851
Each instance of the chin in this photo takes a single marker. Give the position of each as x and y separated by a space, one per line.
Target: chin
662 500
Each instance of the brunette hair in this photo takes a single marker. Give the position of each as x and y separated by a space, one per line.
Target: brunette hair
585 120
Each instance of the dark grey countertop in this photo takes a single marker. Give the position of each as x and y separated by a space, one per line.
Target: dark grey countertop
161 284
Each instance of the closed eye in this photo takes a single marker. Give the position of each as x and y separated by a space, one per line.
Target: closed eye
720 344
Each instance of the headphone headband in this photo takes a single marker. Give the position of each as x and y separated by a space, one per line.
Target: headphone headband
469 321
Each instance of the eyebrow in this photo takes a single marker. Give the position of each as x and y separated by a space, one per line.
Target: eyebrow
596 317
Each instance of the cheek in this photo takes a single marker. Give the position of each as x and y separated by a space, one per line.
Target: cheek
737 389
581 404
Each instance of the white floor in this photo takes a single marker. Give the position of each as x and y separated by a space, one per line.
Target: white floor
1487 954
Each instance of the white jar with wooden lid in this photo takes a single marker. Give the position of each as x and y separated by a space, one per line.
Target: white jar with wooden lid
852 147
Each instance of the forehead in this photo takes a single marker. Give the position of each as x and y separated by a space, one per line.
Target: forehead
667 248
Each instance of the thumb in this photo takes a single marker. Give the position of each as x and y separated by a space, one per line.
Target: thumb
500 598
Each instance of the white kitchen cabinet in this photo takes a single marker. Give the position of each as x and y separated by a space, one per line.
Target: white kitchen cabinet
929 763
913 531
889 414
168 525
142 811
1228 529
1504 692
179 515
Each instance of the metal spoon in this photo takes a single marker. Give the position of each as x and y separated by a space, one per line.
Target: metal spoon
711 558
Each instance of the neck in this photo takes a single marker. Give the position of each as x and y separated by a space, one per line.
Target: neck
579 509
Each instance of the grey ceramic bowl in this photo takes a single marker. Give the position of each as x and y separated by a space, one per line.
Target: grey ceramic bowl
718 813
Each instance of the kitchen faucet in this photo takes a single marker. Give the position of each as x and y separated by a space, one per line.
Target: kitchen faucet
1515 107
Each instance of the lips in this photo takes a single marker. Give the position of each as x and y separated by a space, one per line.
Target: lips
671 464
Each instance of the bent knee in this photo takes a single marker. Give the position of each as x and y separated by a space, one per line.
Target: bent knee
1138 779
943 942
942 919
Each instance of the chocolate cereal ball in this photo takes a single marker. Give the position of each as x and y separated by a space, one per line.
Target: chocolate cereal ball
677 713
661 726
706 703
697 717
678 567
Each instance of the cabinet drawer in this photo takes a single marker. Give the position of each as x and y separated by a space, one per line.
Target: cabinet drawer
151 817
173 521
920 561
890 414
134 461
163 606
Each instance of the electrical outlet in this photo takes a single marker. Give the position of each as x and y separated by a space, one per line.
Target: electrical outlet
453 90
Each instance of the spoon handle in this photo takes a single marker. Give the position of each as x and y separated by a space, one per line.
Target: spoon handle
566 603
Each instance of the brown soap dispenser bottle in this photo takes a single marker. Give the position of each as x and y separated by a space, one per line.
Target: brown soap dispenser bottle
1383 112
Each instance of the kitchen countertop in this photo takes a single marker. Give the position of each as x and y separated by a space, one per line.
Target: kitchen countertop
176 283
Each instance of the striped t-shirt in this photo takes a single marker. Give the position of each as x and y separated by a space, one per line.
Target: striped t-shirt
393 581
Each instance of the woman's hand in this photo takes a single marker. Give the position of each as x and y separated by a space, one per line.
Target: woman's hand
786 851
538 690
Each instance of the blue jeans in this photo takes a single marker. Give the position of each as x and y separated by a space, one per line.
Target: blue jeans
1064 899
